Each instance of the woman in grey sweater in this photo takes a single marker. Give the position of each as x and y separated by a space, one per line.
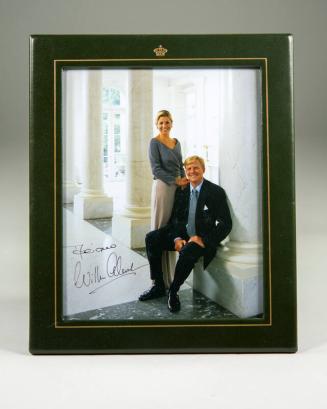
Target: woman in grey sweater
167 168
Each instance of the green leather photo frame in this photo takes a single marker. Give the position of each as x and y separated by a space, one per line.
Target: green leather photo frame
93 100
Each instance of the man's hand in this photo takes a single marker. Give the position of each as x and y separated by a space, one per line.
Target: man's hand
197 240
179 244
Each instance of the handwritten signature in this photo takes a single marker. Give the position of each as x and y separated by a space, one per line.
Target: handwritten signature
79 249
95 277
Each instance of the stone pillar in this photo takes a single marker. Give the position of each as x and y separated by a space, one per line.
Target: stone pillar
133 222
240 165
92 203
234 278
69 116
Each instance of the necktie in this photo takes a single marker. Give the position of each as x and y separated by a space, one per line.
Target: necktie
191 213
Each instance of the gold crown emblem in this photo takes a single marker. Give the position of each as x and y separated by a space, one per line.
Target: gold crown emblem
160 51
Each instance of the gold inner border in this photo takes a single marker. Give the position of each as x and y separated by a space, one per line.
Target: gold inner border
72 61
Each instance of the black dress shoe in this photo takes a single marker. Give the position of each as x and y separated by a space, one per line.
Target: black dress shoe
174 304
154 292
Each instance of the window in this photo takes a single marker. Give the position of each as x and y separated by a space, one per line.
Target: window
114 156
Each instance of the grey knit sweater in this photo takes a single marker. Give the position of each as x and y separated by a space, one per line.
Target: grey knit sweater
166 163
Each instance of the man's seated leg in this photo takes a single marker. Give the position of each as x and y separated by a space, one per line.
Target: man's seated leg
156 241
157 290
188 256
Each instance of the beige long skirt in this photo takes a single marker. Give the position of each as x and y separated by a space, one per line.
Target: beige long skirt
162 201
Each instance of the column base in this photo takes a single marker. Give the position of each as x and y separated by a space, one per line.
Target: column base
69 189
238 287
93 207
241 252
130 231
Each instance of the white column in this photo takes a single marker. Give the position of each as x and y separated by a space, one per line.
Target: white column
92 203
240 164
234 278
133 222
70 187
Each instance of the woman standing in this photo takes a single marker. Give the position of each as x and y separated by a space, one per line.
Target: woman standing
167 168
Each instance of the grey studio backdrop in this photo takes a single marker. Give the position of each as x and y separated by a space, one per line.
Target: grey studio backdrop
306 20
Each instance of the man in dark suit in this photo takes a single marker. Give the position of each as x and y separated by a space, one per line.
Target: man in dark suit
200 220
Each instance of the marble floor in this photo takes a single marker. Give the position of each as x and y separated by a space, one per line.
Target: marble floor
195 306
110 302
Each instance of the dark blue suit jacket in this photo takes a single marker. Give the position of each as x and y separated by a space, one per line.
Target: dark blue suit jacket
212 218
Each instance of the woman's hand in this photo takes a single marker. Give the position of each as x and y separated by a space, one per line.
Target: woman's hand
181 181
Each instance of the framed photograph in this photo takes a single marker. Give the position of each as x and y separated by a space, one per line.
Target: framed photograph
162 204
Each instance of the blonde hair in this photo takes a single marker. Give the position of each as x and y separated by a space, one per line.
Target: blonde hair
194 158
161 113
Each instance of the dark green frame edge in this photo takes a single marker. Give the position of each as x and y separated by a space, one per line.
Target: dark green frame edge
281 336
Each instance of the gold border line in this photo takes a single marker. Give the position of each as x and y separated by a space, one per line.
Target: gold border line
162 59
265 59
55 184
163 326
268 194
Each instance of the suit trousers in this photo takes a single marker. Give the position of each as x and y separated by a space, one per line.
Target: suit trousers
158 241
